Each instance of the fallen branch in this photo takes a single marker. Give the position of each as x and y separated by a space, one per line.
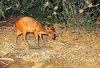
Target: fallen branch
9 59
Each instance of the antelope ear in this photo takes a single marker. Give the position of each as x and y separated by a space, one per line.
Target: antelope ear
46 27
49 24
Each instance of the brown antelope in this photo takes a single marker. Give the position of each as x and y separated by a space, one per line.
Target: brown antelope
28 24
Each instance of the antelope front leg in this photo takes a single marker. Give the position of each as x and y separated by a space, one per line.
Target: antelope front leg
37 39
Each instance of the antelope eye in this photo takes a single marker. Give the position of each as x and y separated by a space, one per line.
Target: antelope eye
50 32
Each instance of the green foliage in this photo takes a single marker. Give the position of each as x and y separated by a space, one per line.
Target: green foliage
70 12
2 10
34 8
79 13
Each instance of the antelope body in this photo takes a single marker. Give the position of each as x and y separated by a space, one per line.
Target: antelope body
28 24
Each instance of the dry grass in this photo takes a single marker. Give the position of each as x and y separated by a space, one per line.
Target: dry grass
71 49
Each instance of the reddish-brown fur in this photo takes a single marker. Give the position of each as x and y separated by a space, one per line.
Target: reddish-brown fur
28 24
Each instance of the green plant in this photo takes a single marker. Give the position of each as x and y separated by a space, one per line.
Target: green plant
79 13
34 8
2 10
76 12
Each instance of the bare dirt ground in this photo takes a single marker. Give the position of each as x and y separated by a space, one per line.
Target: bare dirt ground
73 48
